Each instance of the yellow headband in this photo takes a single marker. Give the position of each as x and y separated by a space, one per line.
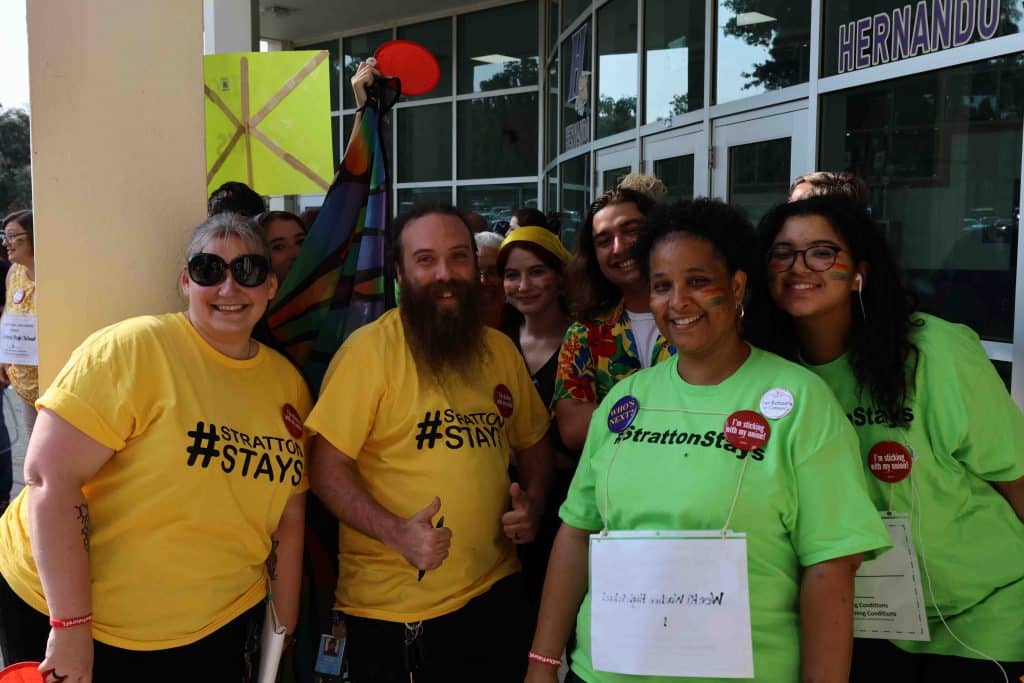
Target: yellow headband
542 237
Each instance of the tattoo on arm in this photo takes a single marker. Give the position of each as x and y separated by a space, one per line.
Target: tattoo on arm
272 559
83 516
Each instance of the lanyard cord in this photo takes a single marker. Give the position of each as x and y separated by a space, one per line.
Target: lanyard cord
615 454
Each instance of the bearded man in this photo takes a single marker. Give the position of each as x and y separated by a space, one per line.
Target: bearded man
415 423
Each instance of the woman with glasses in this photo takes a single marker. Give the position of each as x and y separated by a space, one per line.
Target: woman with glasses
17 237
165 481
703 469
941 441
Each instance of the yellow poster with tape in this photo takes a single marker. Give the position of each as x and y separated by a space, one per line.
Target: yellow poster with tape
268 121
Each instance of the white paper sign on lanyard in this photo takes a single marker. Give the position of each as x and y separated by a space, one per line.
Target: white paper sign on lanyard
670 603
888 599
18 343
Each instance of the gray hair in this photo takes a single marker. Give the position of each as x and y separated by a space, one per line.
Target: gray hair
224 226
488 239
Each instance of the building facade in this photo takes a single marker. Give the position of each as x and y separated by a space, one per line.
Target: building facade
548 102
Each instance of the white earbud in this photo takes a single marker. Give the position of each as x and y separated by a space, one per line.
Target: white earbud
860 283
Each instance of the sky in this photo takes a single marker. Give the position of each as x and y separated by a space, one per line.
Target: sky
13 55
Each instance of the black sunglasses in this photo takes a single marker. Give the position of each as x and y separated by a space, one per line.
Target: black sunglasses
248 270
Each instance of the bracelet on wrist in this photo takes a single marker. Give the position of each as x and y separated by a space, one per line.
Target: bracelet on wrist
537 657
74 621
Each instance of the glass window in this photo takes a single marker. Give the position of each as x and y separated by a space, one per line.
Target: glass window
551 199
616 67
864 33
553 26
424 157
1004 369
759 176
677 174
357 49
762 45
674 45
436 36
575 176
346 130
498 136
334 68
575 90
336 140
407 196
498 48
572 10
611 177
551 134
497 202
941 155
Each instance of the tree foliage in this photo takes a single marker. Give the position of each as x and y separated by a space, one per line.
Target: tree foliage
15 161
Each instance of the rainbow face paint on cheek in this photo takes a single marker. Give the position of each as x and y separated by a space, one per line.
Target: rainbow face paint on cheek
839 271
711 296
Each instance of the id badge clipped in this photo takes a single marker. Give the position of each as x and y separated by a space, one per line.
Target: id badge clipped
670 603
888 598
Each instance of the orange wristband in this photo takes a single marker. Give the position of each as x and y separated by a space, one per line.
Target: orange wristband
537 657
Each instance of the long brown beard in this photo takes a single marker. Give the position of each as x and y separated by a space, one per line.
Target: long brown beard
445 343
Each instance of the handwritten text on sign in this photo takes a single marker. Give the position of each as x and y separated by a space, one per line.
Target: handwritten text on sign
670 604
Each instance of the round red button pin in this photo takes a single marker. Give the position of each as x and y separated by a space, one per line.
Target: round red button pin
503 400
890 461
292 421
746 430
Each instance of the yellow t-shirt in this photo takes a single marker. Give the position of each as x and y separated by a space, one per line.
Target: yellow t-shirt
182 514
412 441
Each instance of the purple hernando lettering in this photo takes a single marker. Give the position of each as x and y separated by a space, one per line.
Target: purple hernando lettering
919 43
966 16
863 34
942 24
901 33
880 38
846 47
988 18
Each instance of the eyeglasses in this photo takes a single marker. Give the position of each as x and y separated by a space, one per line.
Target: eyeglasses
818 259
248 270
13 239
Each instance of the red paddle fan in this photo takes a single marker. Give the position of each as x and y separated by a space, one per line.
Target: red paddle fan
411 63
25 672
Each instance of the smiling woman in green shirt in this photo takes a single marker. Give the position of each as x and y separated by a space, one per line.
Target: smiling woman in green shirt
798 495
832 297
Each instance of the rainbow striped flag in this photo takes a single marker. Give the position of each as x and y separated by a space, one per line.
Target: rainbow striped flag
338 282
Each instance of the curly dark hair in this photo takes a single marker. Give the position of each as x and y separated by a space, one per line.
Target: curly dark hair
235 197
590 292
880 353
711 220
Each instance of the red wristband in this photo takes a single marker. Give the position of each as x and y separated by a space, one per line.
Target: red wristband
544 660
68 623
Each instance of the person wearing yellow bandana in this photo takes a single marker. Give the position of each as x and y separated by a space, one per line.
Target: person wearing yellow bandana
614 334
165 487
698 540
941 442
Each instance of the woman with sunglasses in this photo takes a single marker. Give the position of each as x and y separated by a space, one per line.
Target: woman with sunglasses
725 439
18 242
165 481
941 441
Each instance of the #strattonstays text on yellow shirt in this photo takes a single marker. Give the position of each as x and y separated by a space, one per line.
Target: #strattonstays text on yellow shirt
412 441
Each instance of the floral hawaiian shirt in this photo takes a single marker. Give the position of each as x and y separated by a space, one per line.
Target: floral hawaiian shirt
596 355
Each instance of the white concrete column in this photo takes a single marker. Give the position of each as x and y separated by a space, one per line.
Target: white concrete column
230 26
118 167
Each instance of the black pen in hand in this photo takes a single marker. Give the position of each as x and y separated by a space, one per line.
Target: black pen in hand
440 523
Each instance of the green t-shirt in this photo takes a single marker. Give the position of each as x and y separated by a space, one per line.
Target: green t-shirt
802 500
965 432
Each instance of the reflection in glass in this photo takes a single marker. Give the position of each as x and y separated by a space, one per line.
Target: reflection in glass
616 67
424 157
551 200
553 26
677 174
551 134
498 48
573 8
334 72
407 196
356 49
762 45
498 136
575 90
941 154
497 202
887 27
436 36
674 48
611 177
759 176
574 174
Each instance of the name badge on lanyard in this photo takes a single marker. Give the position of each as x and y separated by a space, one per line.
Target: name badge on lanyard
888 600
670 603
18 343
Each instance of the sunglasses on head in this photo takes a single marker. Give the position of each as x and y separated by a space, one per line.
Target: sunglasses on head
248 270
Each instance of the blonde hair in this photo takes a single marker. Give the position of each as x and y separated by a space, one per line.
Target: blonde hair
644 184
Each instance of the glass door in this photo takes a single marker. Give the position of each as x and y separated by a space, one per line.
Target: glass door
756 158
679 159
612 164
